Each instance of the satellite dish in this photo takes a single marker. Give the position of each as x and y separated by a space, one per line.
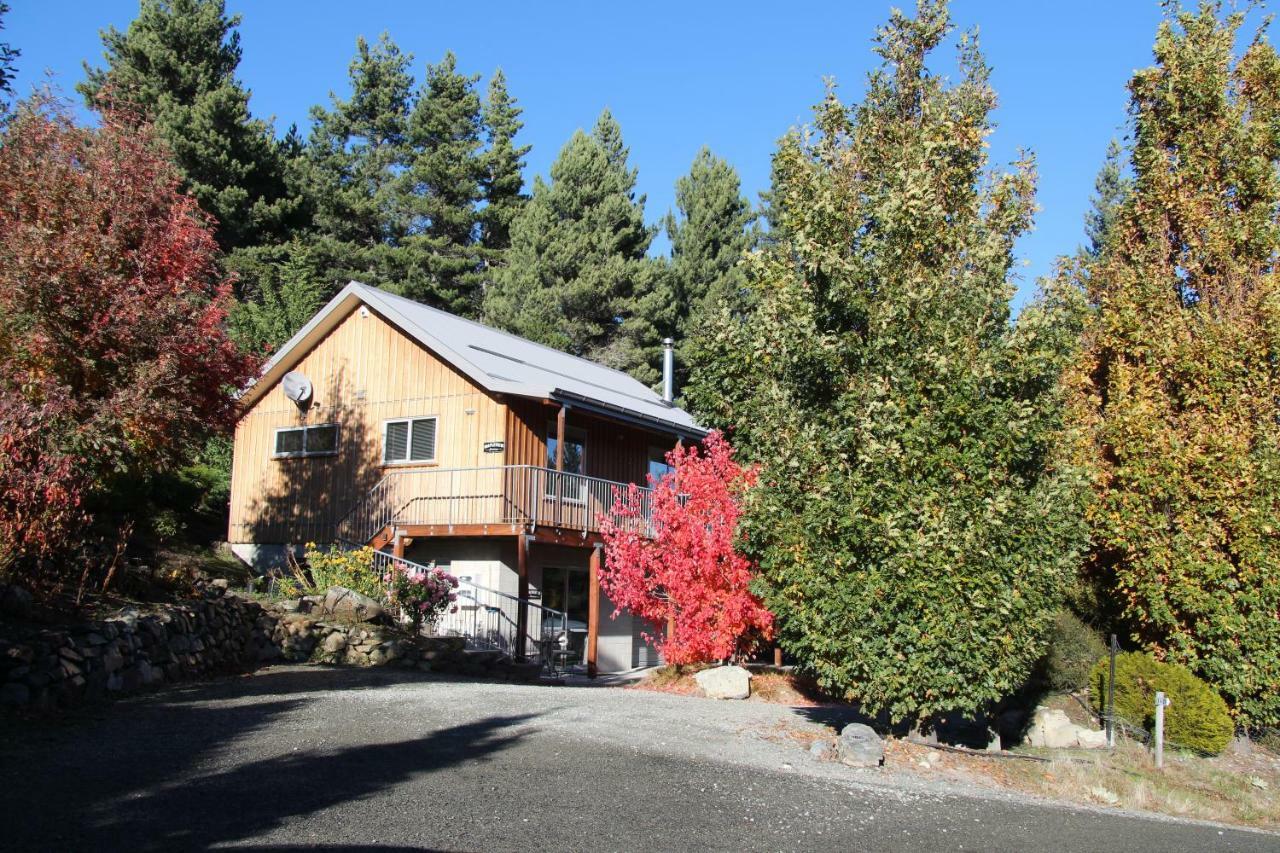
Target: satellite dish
297 388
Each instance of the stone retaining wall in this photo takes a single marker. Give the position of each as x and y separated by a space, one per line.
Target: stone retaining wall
46 668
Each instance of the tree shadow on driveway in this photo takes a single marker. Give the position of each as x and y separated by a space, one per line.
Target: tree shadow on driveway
177 771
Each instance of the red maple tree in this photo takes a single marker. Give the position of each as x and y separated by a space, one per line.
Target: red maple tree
113 354
680 568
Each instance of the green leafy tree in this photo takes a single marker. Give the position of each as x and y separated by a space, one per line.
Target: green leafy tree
503 181
1110 191
709 238
1177 392
175 66
913 524
577 266
442 183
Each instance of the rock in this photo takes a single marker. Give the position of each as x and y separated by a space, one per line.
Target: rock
1104 795
725 682
933 757
860 746
334 643
1260 784
1053 729
220 583
350 605
822 750
14 694
16 602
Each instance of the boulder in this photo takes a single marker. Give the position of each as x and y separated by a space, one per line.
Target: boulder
860 746
1052 729
350 605
334 643
822 750
725 682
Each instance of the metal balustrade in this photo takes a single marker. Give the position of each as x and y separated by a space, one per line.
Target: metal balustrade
489 618
517 495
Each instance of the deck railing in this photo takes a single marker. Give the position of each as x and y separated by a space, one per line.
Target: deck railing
518 495
489 618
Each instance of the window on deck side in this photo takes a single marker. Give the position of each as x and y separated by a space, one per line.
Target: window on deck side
575 441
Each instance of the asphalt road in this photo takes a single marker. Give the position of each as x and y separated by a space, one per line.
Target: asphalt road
297 757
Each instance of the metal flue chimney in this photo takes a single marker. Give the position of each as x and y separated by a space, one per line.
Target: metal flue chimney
668 370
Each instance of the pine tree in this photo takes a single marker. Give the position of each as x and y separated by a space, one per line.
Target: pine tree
290 288
913 526
442 184
176 64
503 181
1110 190
708 240
1178 389
577 266
355 159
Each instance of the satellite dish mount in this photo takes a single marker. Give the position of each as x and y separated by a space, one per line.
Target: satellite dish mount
298 389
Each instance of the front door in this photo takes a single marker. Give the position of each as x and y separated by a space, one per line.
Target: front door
568 590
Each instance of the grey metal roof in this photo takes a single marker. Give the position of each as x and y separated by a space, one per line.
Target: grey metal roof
501 363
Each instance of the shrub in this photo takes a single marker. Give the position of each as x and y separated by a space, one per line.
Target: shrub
327 567
1197 718
1074 648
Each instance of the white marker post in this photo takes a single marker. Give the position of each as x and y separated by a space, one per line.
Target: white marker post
1161 704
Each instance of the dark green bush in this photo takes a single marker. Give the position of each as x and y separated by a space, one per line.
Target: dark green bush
1198 717
1074 648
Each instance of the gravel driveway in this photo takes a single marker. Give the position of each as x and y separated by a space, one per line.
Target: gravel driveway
345 759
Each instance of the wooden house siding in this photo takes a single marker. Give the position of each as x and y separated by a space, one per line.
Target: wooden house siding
365 372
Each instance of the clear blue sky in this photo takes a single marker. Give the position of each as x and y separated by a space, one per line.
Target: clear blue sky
733 76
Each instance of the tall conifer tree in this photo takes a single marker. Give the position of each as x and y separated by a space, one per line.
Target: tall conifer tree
443 188
912 526
176 65
503 181
577 260
1178 390
709 237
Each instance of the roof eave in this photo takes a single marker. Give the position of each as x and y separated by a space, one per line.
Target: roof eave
631 416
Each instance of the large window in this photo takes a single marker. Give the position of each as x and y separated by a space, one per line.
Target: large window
409 440
658 467
570 488
319 440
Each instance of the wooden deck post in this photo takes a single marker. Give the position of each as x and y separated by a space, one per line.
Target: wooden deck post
560 418
593 612
522 608
397 545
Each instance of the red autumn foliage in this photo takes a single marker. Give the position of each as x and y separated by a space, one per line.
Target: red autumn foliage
113 355
688 571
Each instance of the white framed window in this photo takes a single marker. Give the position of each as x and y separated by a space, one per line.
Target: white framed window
409 440
318 440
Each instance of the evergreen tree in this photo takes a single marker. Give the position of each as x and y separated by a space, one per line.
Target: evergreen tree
354 165
913 527
1178 389
291 288
176 64
577 269
503 181
708 240
1110 190
443 189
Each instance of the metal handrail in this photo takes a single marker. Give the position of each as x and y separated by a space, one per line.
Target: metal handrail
489 618
521 495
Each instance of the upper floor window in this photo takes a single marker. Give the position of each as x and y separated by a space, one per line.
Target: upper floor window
409 440
560 485
319 440
658 467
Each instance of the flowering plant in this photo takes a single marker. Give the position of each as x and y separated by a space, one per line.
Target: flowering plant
423 593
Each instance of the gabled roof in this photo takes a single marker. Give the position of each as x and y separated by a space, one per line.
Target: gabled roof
499 362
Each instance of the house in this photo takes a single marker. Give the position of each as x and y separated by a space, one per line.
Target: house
438 439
